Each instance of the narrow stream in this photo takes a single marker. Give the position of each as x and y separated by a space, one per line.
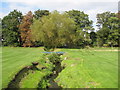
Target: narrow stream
25 71
15 82
19 76
58 68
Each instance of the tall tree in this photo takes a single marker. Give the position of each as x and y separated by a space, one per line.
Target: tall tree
102 19
25 30
114 31
83 25
40 13
0 31
108 29
54 30
10 30
81 19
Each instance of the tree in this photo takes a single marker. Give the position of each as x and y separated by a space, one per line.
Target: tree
25 30
102 34
10 31
40 13
118 15
93 37
54 30
102 19
114 31
0 31
81 19
108 29
83 25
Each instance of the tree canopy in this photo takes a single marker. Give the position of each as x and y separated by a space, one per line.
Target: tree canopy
83 26
10 30
54 30
108 29
72 29
40 13
25 30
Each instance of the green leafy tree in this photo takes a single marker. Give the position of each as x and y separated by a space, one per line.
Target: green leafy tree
40 13
10 30
54 30
93 37
0 32
83 25
114 31
108 29
102 36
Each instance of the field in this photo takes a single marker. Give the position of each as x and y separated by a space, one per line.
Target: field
89 69
13 59
84 68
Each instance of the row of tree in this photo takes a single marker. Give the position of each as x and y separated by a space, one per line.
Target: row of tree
71 29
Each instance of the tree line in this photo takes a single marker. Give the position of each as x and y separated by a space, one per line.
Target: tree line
71 29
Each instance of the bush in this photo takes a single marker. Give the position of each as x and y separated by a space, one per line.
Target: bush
87 47
54 58
105 45
43 83
46 48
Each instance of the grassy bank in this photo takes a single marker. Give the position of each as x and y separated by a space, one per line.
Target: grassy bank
85 68
14 59
89 69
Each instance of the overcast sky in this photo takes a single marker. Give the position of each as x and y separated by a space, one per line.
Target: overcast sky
90 7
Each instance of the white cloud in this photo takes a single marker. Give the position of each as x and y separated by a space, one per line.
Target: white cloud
100 8
23 9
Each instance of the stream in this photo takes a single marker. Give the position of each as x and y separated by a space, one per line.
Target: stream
58 68
18 77
25 71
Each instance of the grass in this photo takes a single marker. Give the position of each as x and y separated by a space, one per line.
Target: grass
33 79
89 69
105 48
14 59
85 68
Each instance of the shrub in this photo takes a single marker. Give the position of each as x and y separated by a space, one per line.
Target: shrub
105 45
46 48
54 58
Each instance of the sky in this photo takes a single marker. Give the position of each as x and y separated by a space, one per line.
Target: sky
90 7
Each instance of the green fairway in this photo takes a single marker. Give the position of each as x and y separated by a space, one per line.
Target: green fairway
14 59
89 69
85 68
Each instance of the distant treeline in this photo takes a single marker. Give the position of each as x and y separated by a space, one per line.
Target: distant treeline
71 29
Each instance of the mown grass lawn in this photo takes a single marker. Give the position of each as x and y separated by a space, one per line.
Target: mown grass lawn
14 59
85 68
88 68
